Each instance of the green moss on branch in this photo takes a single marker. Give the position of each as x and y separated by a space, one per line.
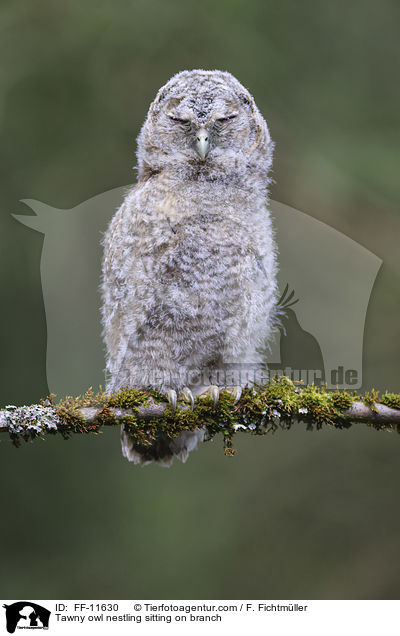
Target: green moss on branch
259 411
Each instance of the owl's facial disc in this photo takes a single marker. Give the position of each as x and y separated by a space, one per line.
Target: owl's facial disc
203 129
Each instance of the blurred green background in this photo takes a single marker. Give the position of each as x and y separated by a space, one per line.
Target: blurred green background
294 515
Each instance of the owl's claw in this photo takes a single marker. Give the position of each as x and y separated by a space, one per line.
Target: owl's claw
235 391
171 396
187 396
211 391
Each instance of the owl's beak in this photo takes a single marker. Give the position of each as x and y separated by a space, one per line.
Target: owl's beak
202 143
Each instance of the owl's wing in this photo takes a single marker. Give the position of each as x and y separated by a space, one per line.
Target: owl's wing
126 287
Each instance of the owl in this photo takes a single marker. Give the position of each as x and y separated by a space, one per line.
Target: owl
189 283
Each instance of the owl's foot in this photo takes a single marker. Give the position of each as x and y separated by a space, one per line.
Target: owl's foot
213 392
171 397
235 391
185 396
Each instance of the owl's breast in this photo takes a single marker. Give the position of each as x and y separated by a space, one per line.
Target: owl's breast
207 265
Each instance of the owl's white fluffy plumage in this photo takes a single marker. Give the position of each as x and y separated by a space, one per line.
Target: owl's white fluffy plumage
189 270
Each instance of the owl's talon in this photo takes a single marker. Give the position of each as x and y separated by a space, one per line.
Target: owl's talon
187 396
171 395
235 391
211 391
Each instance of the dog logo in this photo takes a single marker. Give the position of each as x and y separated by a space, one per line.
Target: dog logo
26 615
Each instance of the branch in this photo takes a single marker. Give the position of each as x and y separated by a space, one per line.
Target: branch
280 404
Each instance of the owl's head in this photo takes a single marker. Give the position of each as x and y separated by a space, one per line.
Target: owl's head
204 124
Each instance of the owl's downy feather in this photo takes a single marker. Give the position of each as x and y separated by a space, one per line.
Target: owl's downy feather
189 271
